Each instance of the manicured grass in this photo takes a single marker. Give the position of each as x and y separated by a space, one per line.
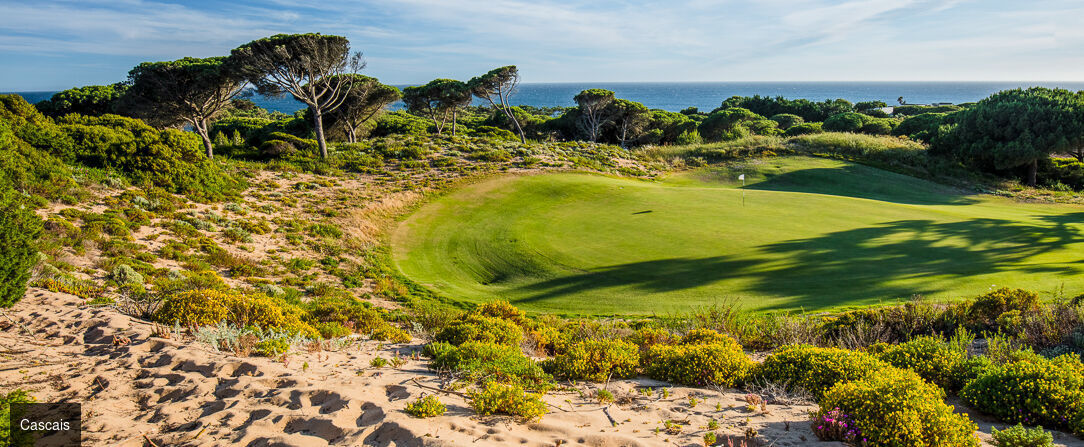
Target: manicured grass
813 234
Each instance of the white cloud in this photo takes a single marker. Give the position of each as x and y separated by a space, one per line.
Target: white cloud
559 40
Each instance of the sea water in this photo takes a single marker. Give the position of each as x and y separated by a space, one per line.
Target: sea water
675 96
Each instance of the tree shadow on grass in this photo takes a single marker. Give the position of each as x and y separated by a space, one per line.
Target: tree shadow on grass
885 261
865 183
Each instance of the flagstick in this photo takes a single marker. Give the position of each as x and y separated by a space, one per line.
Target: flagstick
742 190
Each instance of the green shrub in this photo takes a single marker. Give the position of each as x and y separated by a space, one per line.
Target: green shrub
426 407
86 100
1020 436
493 156
489 361
28 142
970 369
787 120
816 369
19 232
493 133
124 274
923 127
272 347
237 234
498 398
325 230
356 315
912 109
596 361
437 349
17 396
302 146
896 407
277 148
804 129
933 358
477 327
723 364
707 337
987 308
1032 391
846 122
333 329
170 159
400 122
879 126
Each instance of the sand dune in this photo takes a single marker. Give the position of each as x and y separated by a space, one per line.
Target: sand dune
138 389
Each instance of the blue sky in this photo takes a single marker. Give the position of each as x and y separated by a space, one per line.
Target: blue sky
57 44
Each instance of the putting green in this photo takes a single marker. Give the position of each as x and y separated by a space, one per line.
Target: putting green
812 234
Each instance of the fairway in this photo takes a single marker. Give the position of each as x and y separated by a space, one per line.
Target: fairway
813 234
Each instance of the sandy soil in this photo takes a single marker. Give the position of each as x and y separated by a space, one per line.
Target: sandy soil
138 388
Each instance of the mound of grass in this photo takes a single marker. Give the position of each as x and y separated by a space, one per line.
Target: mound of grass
813 234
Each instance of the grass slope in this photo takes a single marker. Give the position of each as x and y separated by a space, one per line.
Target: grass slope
813 234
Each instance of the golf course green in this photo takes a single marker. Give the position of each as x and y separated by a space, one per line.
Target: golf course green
812 234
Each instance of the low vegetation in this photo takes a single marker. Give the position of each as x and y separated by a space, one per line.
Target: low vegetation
262 233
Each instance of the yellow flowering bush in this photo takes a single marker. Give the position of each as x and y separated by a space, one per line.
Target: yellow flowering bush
205 307
194 308
504 310
498 398
262 311
476 327
596 361
1032 391
722 364
933 358
426 407
895 407
817 369
387 332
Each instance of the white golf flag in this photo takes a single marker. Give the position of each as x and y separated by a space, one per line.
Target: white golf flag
741 177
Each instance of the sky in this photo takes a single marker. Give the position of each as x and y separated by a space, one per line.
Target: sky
58 44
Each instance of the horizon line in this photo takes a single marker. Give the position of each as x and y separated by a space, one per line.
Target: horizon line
695 82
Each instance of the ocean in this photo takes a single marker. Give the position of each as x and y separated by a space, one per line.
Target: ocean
675 96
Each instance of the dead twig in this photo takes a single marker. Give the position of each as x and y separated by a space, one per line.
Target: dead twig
433 388
18 323
606 411
31 366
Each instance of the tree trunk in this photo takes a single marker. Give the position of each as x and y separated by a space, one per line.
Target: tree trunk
201 129
318 119
455 115
351 134
511 116
1033 169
